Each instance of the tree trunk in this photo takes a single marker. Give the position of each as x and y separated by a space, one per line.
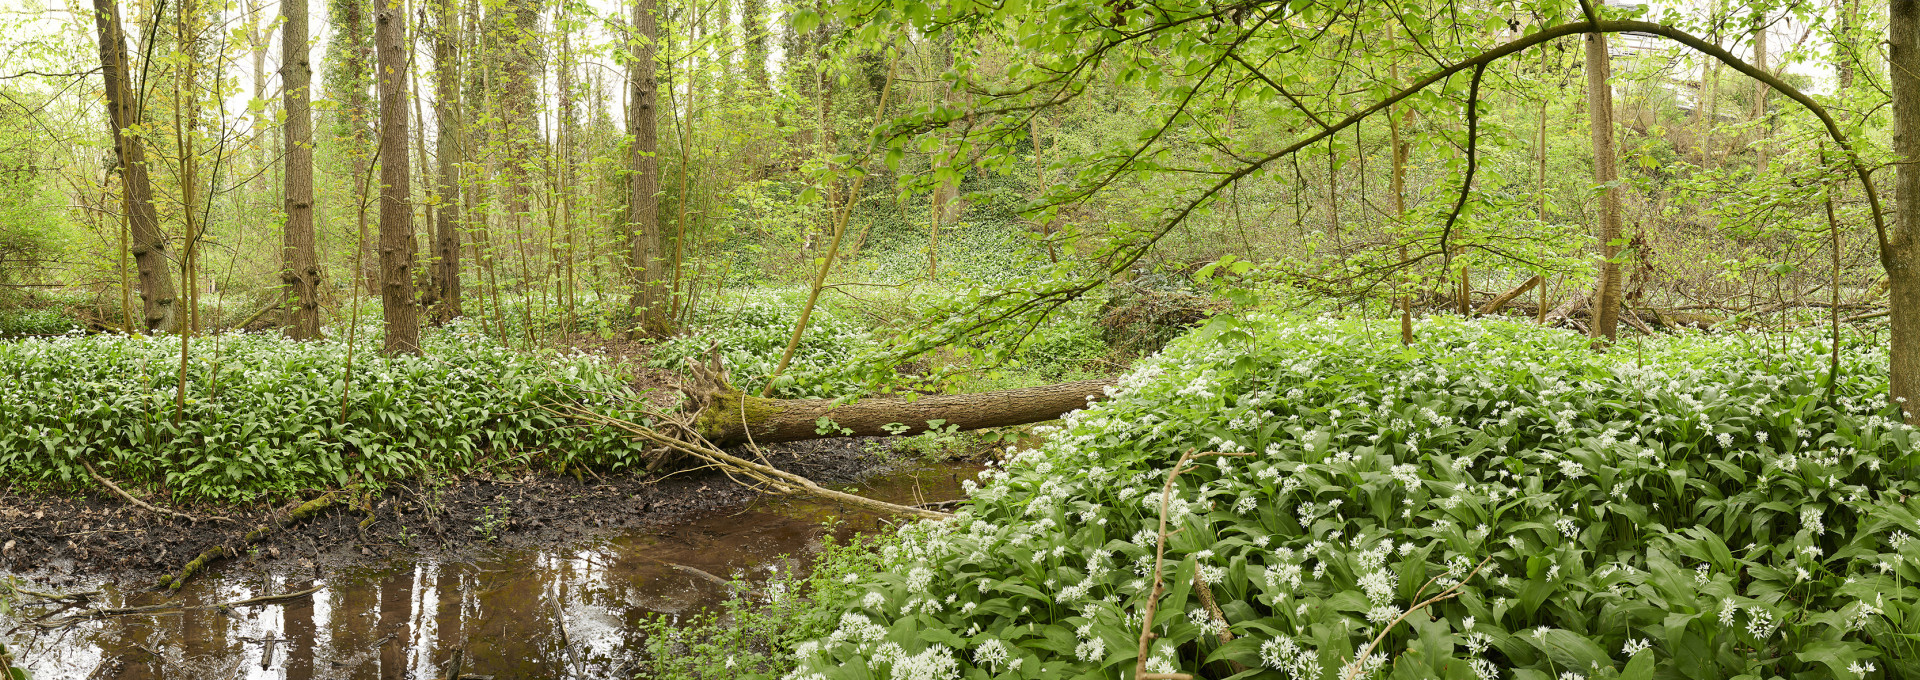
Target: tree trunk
148 244
347 84
396 207
1845 17
1901 254
649 307
753 21
518 54
446 111
1760 90
301 274
1606 304
731 417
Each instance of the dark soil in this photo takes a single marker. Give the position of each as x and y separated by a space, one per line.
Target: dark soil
59 537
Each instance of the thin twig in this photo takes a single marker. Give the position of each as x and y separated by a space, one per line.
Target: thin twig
1448 594
1159 558
164 609
117 491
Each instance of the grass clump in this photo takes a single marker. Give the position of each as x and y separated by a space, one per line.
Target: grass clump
265 415
1686 506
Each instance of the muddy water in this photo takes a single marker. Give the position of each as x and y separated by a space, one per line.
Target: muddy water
565 611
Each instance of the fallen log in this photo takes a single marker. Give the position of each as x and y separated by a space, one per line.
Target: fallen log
1635 321
679 435
1565 310
1497 303
728 416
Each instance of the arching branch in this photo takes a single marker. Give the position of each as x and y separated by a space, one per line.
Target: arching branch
1473 159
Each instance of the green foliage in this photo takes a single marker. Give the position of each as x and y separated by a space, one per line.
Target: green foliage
939 442
41 321
264 415
7 670
751 630
753 332
493 520
1687 506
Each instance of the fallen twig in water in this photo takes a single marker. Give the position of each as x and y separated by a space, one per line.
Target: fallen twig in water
165 609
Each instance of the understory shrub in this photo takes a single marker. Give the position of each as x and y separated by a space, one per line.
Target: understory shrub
1685 506
264 415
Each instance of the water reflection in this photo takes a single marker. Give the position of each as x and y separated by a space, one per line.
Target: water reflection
562 612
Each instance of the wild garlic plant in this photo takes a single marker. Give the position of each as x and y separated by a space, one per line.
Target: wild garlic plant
264 415
1686 506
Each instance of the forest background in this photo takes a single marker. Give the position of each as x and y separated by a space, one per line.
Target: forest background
949 174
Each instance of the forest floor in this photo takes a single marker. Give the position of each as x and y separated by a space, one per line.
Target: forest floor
55 539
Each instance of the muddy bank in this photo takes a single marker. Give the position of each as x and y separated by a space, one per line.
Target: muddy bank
571 607
57 539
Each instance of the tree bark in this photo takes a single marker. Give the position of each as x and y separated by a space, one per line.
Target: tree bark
1606 292
301 268
446 111
731 417
649 308
347 84
396 208
753 21
1760 91
517 40
149 246
1901 254
1845 17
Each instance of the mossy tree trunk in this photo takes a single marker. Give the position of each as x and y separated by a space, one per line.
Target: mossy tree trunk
728 416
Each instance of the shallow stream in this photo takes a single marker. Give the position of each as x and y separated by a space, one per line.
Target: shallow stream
561 611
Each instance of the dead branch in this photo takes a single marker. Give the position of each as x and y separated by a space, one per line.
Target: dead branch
1159 560
165 609
1448 594
690 442
219 552
117 491
1497 303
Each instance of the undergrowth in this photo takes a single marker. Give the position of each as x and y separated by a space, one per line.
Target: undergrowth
265 415
1686 506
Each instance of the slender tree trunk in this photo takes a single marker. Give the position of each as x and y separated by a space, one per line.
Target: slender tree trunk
148 244
396 208
1760 91
446 111
1901 254
650 307
1846 18
1606 304
301 272
1398 186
